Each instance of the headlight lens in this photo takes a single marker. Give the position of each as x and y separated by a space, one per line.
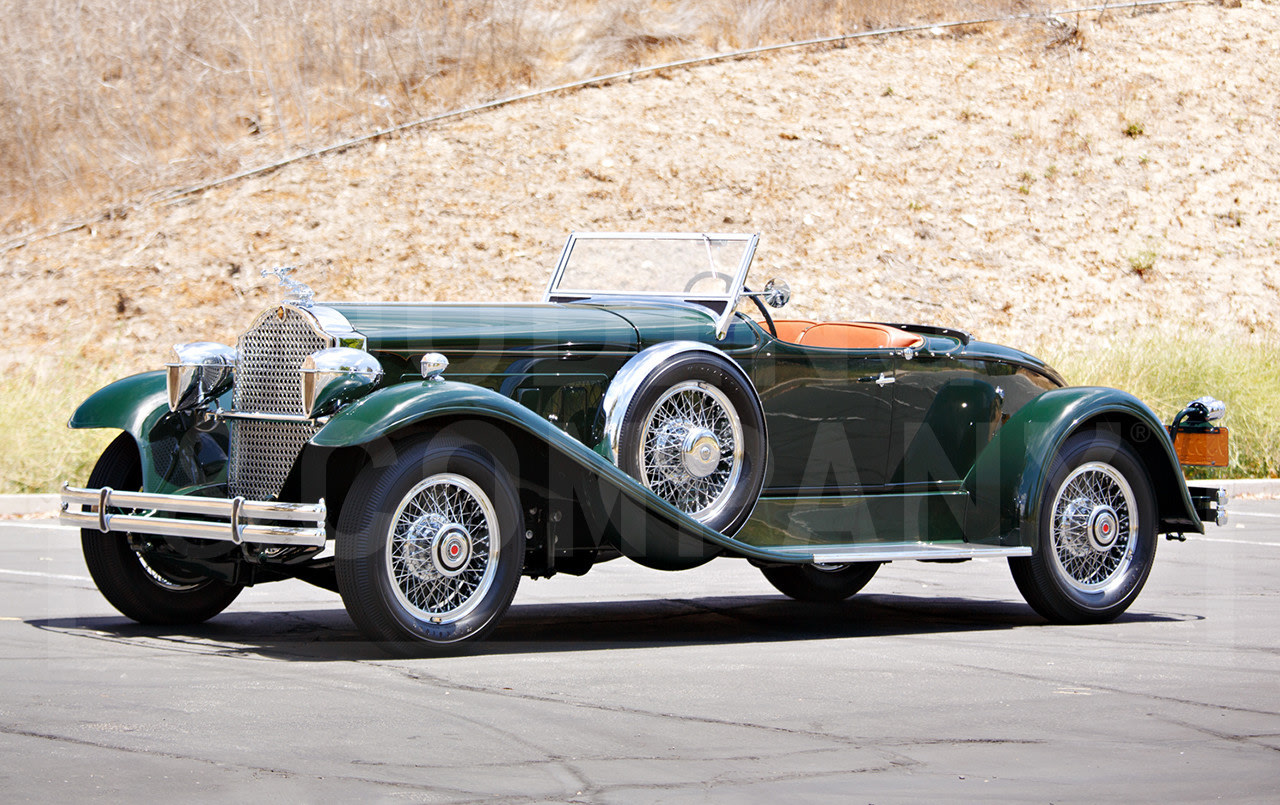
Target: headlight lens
334 376
199 372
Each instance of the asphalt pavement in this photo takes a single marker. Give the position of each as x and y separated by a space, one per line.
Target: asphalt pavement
633 685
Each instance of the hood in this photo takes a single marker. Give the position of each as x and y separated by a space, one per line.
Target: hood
410 329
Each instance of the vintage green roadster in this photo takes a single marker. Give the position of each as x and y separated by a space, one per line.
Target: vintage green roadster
420 458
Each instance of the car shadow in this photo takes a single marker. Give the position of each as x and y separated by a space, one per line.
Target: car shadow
329 634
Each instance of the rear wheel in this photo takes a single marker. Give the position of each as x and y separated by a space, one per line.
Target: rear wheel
1097 536
819 582
143 589
430 549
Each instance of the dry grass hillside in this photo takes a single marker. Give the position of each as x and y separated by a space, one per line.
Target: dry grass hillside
1063 188
102 102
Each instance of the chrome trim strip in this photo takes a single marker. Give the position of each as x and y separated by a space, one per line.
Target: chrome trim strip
222 413
722 326
561 264
625 384
231 529
893 551
537 353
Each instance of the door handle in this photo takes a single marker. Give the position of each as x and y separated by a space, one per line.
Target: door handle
880 380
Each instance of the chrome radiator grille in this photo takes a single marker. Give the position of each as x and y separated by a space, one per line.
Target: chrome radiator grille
267 382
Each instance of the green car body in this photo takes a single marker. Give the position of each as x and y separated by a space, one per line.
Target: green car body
941 449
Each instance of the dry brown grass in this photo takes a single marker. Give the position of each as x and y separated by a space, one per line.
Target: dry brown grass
102 102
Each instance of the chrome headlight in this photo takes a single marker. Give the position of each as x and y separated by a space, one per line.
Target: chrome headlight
333 376
200 372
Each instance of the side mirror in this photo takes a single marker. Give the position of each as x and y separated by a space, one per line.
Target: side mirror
777 293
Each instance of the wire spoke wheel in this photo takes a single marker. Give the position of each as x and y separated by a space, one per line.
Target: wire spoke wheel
441 555
1096 537
1094 526
690 448
430 547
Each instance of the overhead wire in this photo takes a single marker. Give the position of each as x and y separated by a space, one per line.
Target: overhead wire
171 196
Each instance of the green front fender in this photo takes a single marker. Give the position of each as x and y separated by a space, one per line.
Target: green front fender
174 454
650 529
1008 480
134 405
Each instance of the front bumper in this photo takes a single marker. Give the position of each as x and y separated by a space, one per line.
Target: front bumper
230 520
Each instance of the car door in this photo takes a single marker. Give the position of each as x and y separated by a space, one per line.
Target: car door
828 413
945 412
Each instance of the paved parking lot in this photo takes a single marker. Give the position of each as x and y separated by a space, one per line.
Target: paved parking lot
631 685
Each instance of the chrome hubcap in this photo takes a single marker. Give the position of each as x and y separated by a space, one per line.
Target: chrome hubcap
1094 527
690 451
442 549
1104 526
701 452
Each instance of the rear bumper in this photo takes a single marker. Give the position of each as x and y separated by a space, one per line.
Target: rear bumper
230 520
1210 503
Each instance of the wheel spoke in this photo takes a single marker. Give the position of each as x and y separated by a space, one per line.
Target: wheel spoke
1094 521
441 511
691 411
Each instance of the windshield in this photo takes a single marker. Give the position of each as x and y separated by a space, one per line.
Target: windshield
705 269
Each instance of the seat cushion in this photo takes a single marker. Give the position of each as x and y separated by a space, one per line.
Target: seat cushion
840 335
790 329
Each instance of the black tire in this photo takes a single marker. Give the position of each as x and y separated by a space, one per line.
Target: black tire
1097 533
724 498
825 584
469 547
145 591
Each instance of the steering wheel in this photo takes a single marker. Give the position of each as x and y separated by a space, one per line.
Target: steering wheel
704 275
764 311
728 280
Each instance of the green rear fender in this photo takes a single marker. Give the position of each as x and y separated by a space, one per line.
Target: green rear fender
648 528
1006 483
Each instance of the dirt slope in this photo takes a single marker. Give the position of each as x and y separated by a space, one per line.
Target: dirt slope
1025 183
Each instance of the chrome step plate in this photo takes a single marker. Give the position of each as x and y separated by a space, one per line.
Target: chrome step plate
894 551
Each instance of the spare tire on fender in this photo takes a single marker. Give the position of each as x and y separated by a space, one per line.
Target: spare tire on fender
686 422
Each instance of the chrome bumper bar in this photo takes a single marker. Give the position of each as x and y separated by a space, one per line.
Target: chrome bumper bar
233 523
1210 503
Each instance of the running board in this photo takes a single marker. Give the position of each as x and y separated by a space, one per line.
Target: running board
894 551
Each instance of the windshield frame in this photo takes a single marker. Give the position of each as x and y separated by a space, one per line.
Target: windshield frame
721 306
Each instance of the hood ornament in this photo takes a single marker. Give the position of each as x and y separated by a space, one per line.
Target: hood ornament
296 291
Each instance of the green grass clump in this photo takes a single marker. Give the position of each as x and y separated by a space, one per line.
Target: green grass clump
1168 371
37 449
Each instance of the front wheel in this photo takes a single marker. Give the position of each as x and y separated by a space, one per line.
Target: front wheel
143 589
820 583
1097 536
430 549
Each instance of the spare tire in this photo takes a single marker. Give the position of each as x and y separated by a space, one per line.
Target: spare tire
693 432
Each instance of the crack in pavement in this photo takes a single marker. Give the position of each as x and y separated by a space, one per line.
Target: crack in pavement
1121 691
415 676
6 729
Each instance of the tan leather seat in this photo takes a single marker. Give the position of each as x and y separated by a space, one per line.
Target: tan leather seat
839 335
790 329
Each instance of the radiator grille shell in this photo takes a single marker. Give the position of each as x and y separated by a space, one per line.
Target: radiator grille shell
271 352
